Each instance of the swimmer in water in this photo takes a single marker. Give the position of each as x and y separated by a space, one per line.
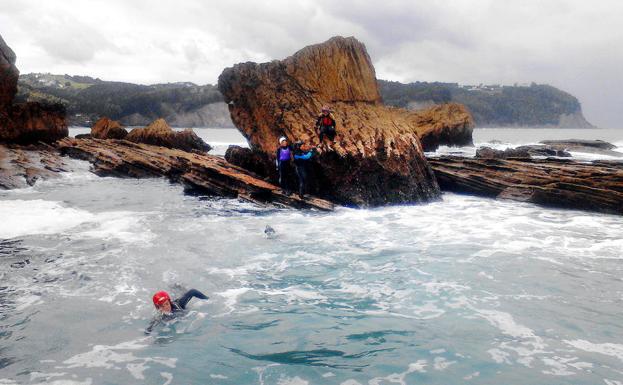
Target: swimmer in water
167 308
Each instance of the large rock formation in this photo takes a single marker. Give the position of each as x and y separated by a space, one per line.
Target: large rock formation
108 129
160 134
28 122
377 157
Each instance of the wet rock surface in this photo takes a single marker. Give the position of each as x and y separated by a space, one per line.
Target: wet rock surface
521 152
23 166
376 158
582 145
201 173
596 186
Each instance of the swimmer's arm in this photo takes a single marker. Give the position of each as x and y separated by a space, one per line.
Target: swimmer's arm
189 295
153 323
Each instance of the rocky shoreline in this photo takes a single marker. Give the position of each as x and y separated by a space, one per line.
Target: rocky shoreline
376 159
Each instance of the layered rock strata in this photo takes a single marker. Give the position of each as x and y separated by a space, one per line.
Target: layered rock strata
23 166
596 186
200 173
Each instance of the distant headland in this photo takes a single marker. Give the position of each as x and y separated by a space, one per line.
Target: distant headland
185 104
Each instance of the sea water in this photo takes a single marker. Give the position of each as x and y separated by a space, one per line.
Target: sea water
462 291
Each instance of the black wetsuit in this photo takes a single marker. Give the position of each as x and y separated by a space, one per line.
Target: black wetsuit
177 306
301 161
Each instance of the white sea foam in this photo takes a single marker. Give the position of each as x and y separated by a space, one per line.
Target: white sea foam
26 217
399 378
292 381
117 357
609 349
30 217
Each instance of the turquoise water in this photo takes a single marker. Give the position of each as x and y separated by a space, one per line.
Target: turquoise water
466 290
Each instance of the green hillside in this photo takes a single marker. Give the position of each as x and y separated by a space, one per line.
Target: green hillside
531 105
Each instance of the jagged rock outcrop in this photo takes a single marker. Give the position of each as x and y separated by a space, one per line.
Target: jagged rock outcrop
200 173
25 123
596 186
22 166
377 157
160 134
445 124
108 129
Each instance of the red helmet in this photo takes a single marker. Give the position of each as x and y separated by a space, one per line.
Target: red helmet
160 298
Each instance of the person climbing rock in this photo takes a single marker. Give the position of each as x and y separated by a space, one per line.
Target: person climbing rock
284 164
167 308
302 157
325 124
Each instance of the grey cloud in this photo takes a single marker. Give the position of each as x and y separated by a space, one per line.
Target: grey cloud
572 44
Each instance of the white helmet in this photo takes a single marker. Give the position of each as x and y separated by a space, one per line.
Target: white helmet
282 139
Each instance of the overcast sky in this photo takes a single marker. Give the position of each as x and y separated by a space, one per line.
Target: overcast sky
574 45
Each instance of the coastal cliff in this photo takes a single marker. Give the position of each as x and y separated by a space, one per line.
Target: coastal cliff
377 157
529 105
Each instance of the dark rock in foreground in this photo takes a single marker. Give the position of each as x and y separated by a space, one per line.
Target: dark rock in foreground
159 133
29 123
197 172
250 160
561 183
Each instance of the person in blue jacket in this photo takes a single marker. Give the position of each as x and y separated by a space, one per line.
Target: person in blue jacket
302 157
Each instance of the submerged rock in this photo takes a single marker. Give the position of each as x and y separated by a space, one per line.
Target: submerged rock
520 152
106 128
587 146
25 123
160 134
377 157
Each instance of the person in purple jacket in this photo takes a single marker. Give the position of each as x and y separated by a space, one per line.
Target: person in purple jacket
284 158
